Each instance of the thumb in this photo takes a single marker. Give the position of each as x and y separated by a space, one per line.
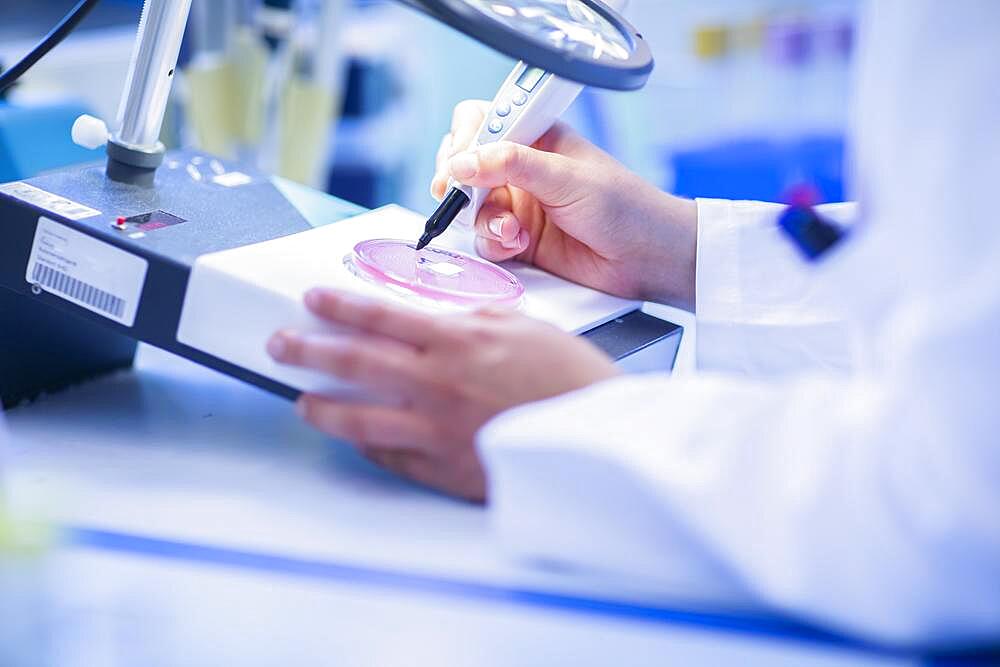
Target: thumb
553 179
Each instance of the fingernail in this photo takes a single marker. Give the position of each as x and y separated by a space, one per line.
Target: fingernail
313 298
277 346
464 165
496 226
523 239
300 407
483 247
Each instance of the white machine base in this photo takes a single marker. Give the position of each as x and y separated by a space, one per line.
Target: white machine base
237 299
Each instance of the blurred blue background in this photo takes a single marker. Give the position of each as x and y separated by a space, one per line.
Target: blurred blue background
749 97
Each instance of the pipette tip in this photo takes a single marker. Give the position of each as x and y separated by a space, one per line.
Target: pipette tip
452 205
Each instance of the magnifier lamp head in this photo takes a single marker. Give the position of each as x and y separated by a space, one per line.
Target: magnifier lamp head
584 41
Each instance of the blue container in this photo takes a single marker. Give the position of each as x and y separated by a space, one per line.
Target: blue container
37 138
761 169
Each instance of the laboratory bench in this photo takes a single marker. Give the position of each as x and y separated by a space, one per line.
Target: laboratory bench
200 522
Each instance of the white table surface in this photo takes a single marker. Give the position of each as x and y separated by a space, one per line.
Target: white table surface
177 452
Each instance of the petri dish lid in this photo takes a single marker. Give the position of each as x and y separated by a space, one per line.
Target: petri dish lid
436 274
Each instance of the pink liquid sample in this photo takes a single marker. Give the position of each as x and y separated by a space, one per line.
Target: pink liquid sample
436 274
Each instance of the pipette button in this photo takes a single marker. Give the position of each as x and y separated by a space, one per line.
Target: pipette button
503 110
496 126
520 98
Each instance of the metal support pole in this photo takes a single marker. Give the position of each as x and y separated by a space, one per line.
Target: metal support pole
135 151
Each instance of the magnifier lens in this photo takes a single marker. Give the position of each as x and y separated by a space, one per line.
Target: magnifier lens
569 25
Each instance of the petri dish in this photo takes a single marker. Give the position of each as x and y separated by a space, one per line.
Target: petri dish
434 273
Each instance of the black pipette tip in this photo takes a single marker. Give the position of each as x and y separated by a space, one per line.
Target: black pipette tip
449 209
425 240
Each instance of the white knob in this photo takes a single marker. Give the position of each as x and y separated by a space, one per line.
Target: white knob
90 132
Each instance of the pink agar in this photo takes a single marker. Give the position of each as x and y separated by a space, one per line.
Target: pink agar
435 273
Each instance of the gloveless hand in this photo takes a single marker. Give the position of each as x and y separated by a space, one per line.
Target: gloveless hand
437 379
573 210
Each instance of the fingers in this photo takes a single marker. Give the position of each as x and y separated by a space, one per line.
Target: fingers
504 228
499 235
465 122
496 220
369 426
553 179
391 438
375 363
397 440
493 251
440 182
563 139
395 322
403 462
399 461
427 470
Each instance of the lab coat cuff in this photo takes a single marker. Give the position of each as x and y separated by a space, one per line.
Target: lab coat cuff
728 243
718 291
717 283
552 462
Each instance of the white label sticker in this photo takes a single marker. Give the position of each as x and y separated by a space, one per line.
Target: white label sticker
50 202
90 273
445 269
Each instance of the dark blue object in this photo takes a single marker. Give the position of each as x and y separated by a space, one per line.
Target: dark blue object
632 332
6 91
370 89
813 235
43 350
365 184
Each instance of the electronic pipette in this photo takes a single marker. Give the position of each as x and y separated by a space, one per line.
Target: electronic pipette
529 102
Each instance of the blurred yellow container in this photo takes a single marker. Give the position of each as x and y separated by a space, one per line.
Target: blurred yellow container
711 41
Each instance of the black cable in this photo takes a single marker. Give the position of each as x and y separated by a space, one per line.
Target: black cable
58 34
3 93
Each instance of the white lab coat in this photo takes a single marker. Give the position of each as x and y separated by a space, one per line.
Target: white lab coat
837 456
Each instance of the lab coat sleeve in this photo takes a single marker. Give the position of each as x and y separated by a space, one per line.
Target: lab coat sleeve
757 305
866 500
846 502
